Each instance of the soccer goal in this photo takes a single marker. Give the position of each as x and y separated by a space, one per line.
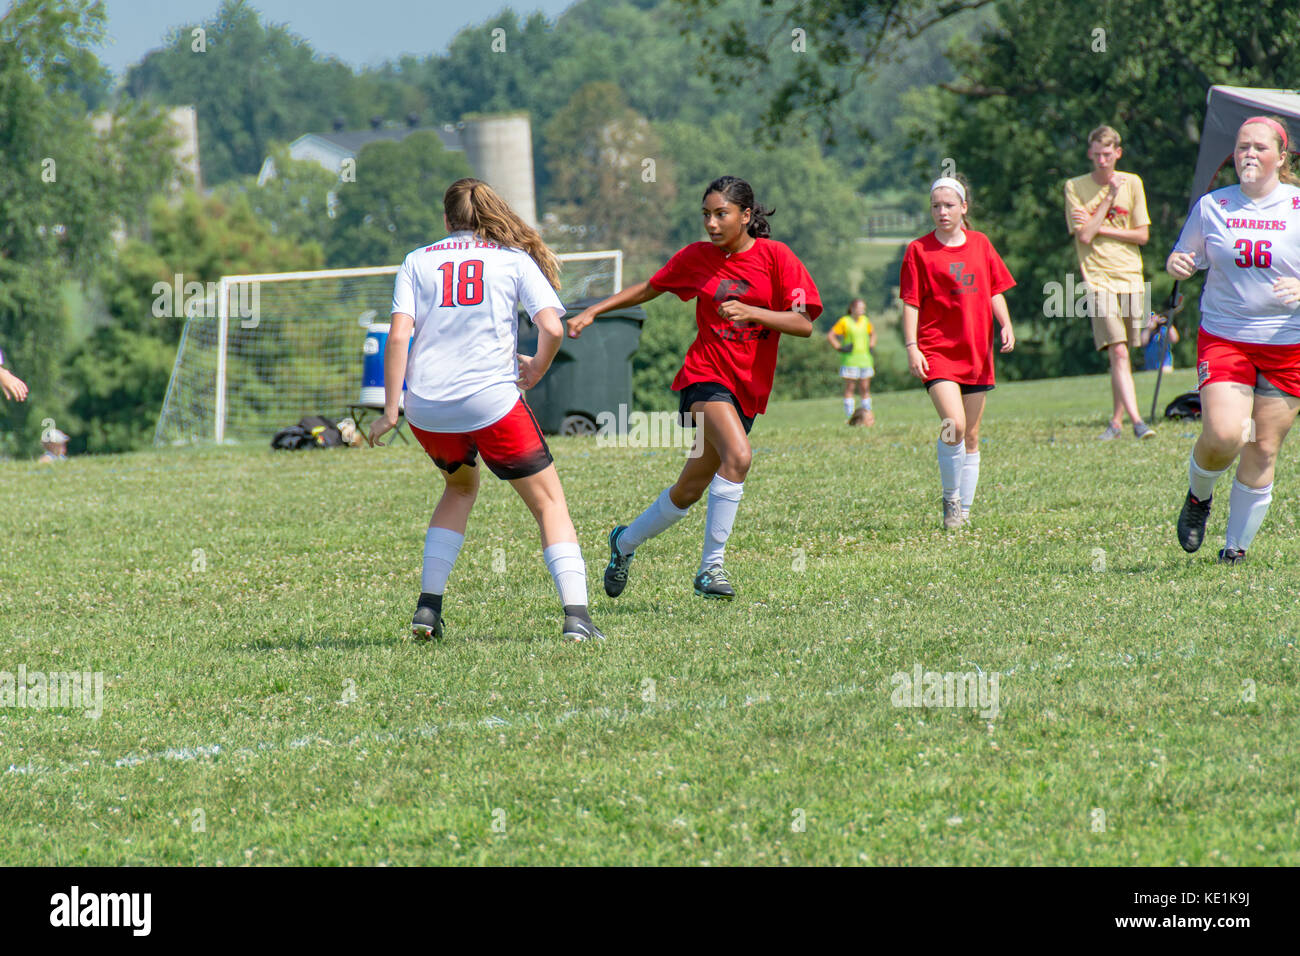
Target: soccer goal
264 350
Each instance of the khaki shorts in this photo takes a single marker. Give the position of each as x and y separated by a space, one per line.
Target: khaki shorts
1117 317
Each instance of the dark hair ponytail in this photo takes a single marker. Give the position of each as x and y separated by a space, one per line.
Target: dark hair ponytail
735 189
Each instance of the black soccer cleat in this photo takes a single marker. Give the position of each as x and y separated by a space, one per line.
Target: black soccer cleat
1231 556
712 583
1191 522
616 570
427 623
580 629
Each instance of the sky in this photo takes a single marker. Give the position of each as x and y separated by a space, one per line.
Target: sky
358 32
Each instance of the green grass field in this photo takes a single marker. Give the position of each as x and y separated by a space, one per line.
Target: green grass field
262 703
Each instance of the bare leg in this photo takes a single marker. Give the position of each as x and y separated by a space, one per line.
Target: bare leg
973 406
1226 410
726 452
947 399
1272 419
1121 386
545 499
458 496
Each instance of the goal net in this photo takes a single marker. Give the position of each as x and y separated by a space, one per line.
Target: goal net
263 351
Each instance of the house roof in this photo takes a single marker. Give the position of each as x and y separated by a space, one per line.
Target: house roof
351 141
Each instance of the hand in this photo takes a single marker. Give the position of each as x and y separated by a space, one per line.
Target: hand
13 387
1078 217
1288 290
1008 338
530 371
916 362
580 322
379 427
734 311
846 347
1180 265
1116 181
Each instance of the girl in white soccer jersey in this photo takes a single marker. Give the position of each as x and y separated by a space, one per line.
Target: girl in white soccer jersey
1247 237
461 295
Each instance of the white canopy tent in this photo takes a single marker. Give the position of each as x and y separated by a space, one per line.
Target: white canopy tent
1225 109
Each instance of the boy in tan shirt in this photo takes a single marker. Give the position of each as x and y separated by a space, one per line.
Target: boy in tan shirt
1106 212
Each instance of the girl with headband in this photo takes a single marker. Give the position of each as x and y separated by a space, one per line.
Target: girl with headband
1247 239
951 285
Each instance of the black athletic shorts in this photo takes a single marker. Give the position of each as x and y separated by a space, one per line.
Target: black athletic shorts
709 392
965 389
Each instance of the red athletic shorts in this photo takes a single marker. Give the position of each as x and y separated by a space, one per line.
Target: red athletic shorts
1223 360
512 446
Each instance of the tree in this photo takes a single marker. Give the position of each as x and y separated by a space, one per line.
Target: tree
123 368
609 173
804 58
396 202
65 190
1017 120
252 84
298 203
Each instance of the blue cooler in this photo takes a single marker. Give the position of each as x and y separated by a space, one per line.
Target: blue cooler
372 371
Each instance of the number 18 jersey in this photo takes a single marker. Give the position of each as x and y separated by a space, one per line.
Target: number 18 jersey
1246 244
465 294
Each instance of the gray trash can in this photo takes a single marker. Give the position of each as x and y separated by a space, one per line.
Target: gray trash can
590 375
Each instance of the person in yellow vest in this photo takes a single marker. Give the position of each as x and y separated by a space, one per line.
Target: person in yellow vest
853 336
1106 213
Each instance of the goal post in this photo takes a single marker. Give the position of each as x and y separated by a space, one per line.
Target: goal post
262 351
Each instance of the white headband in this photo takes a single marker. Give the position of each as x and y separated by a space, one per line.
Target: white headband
952 184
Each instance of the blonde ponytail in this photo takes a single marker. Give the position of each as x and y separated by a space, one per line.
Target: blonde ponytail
473 205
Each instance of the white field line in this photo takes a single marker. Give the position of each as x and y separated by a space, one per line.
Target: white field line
492 722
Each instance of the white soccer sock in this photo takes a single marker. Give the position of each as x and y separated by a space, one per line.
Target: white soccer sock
848 407
441 546
658 518
564 561
970 477
1246 510
951 459
865 403
1200 480
724 499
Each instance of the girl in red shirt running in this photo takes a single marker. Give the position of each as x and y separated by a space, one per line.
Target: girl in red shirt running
951 285
748 289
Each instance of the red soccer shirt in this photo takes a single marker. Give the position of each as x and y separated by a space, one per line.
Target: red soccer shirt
739 355
953 289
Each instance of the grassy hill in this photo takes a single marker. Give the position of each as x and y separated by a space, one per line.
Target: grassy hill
262 704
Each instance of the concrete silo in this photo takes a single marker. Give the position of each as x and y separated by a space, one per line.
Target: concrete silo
500 151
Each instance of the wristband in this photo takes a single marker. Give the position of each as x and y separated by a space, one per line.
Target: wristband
908 345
